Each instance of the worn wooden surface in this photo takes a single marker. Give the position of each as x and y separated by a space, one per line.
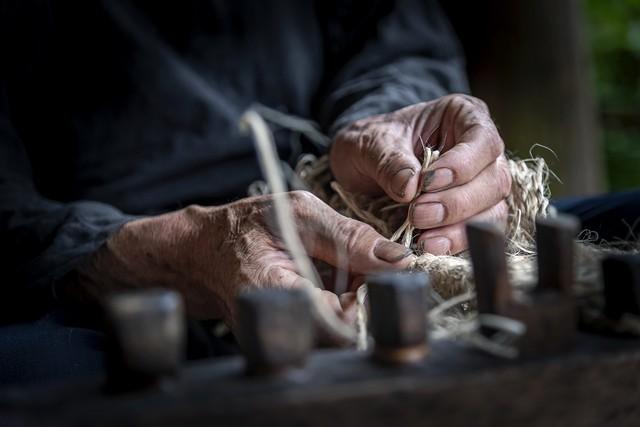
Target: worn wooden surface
597 384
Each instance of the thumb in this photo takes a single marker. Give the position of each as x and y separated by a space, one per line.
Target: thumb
395 168
360 159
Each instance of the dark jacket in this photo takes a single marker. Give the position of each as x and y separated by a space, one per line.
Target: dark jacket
114 109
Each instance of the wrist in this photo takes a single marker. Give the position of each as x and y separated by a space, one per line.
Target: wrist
156 251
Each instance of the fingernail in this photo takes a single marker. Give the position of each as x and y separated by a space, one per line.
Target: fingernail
437 179
427 215
400 181
436 245
390 251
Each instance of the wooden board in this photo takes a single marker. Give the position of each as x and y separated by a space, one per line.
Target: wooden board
597 384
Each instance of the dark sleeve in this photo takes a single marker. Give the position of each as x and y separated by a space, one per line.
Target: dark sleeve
41 239
411 55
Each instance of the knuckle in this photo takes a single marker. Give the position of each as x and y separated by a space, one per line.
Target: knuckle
368 147
304 204
274 276
252 243
458 98
388 163
366 144
379 147
354 234
479 103
475 109
192 212
301 195
456 103
303 198
364 141
467 101
261 274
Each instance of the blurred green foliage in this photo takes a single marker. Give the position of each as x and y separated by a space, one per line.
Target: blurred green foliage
614 27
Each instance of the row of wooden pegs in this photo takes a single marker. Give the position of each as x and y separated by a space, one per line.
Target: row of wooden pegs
276 330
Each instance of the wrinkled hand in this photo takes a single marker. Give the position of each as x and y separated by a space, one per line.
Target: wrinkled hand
469 181
211 254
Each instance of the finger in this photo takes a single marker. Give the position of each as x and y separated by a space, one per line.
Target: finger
452 239
457 204
348 299
339 280
475 143
283 276
382 159
322 230
326 333
349 304
343 281
332 301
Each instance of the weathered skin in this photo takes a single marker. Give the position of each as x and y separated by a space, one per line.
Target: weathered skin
470 180
211 254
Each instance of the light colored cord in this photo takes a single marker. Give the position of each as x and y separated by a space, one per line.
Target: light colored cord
252 122
405 232
287 121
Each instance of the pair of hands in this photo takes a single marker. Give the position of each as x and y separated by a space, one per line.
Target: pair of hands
211 254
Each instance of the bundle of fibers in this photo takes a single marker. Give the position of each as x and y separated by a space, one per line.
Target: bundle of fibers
451 276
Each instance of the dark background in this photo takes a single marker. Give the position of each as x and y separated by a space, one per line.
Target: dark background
563 74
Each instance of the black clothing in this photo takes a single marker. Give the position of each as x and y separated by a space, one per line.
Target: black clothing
614 217
120 108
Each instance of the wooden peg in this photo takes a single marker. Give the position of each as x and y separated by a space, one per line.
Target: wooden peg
555 246
275 329
487 246
549 310
550 319
621 274
398 316
146 331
